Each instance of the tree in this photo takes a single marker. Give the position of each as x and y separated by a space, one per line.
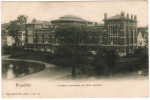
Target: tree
146 37
142 54
15 27
70 36
99 63
22 19
95 33
110 57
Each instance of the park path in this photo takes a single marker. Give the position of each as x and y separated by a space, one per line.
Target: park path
51 72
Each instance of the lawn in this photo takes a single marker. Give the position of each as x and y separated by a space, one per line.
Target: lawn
122 66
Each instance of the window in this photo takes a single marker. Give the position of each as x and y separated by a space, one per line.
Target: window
34 38
30 39
113 40
45 26
42 38
57 41
30 32
46 38
38 26
90 40
39 38
113 29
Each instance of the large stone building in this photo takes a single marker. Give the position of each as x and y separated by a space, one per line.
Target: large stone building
40 35
121 33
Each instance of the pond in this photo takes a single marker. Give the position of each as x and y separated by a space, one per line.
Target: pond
14 69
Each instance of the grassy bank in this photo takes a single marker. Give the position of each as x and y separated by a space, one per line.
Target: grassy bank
123 65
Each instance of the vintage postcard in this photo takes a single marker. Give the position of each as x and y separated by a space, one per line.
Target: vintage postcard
84 49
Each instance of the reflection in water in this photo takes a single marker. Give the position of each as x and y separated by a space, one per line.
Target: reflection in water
10 73
14 69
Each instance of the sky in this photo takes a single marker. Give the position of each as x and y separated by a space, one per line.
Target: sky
92 11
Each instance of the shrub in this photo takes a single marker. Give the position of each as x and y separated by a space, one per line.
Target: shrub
110 58
100 64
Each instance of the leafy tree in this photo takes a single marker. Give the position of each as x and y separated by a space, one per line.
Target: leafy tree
110 57
94 33
15 27
99 63
70 36
142 54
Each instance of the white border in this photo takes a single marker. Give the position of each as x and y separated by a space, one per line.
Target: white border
81 98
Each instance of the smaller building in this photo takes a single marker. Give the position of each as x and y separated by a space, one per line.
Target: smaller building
39 36
6 39
142 38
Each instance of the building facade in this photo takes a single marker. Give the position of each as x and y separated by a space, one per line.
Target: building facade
118 32
39 36
121 33
142 38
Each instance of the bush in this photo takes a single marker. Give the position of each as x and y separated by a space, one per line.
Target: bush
142 54
110 58
11 49
100 64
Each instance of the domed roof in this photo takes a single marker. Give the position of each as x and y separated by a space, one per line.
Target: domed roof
70 18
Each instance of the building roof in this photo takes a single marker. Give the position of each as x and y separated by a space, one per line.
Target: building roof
40 22
96 25
143 30
116 17
70 18
101 25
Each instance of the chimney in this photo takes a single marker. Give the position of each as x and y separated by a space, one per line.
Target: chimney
127 15
95 23
122 14
131 16
105 15
135 18
34 20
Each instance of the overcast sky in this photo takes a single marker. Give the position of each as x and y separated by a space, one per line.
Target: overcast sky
92 11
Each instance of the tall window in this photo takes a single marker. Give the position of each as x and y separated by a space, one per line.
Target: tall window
113 31
30 32
39 38
42 38
46 38
113 40
30 39
34 38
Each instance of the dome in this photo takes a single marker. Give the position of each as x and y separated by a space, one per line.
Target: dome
70 18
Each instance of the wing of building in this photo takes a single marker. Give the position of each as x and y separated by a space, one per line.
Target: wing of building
121 33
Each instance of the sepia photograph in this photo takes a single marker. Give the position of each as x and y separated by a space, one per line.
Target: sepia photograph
68 49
